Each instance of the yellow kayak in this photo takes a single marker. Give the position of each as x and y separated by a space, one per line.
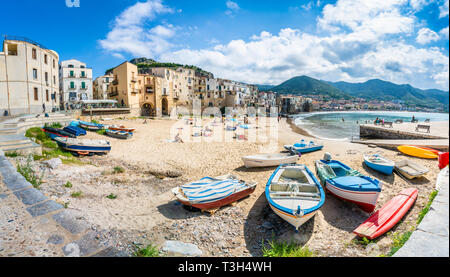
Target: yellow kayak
417 152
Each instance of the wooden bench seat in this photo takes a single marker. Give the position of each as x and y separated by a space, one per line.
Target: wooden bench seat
423 127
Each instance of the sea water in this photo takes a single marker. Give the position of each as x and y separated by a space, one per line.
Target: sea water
345 125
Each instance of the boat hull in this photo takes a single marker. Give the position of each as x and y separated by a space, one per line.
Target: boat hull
119 135
388 216
90 127
302 150
295 221
385 168
254 162
417 152
129 130
381 168
366 200
221 202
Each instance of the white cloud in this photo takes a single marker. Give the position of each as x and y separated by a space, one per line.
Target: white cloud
444 33
129 35
308 6
232 5
426 35
443 10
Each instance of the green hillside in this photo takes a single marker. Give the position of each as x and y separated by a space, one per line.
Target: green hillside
304 85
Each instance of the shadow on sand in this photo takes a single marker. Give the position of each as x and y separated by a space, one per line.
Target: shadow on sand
255 169
378 175
263 225
176 210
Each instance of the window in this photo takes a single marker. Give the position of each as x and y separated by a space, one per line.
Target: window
107 80
82 66
83 85
71 73
46 95
12 49
72 84
33 53
35 73
46 77
53 63
36 97
45 59
54 80
82 74
70 66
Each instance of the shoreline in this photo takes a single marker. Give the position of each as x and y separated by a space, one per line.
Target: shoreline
290 121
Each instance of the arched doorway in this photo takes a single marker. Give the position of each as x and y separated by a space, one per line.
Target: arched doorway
147 110
165 107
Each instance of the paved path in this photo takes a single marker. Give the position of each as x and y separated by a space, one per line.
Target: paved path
431 237
33 225
438 129
438 144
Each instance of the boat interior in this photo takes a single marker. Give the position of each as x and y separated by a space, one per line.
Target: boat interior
293 187
410 167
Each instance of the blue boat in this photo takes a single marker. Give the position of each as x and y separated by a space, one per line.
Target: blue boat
54 133
90 126
349 184
379 163
84 146
294 194
304 147
76 131
118 134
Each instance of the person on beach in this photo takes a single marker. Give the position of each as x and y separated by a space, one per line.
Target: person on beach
178 138
413 119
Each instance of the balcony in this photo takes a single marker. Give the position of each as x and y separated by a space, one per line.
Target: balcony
134 91
149 90
175 96
72 87
71 76
115 82
81 76
84 88
113 94
134 80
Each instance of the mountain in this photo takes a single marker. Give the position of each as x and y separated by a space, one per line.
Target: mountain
304 85
382 90
264 87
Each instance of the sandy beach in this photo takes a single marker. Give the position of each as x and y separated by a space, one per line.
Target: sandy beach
145 210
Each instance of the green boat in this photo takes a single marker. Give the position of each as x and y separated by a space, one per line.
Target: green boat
328 170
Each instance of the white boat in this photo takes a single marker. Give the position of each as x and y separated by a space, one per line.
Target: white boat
442 179
294 194
266 160
410 169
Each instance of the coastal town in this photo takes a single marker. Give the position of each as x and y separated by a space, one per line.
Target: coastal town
35 80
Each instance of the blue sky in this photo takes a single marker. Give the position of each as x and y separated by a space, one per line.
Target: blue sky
265 42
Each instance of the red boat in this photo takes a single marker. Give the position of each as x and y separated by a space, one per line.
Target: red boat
388 216
121 128
212 193
443 159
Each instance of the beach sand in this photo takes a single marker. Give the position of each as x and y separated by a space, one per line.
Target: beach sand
145 210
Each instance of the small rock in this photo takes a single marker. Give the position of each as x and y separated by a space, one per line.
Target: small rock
178 248
53 163
267 225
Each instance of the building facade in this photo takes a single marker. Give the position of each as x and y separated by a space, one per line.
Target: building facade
29 80
75 83
100 87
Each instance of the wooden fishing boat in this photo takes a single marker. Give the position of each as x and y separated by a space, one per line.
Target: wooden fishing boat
76 131
410 169
294 194
90 126
212 193
304 147
417 152
388 216
84 146
442 179
54 133
121 128
348 184
379 163
267 160
118 134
